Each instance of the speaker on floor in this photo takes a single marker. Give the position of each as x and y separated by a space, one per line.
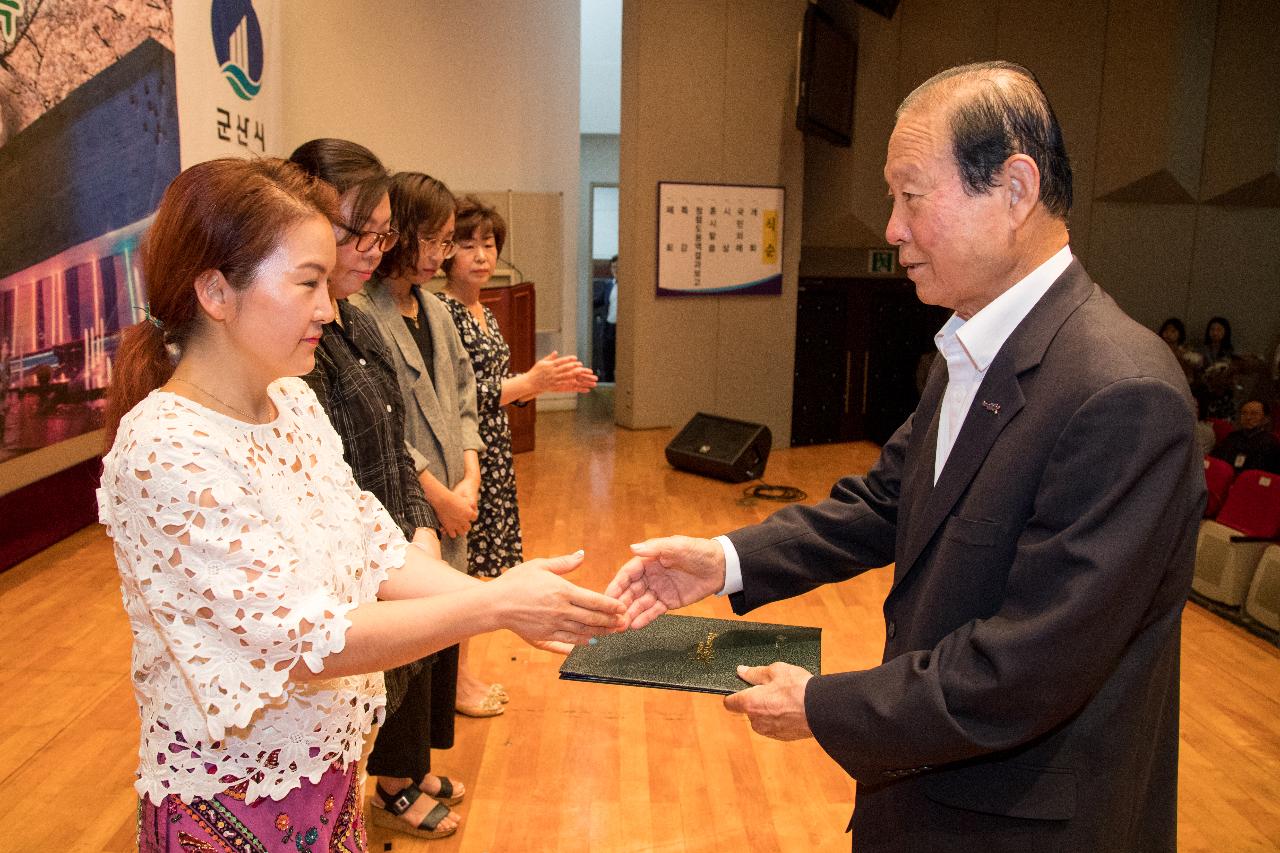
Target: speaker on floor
724 448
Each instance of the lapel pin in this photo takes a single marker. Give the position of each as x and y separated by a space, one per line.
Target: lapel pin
993 408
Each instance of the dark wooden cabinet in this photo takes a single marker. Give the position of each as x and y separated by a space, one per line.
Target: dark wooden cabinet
860 344
513 306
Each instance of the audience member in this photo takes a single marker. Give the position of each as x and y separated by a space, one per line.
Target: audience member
265 590
1217 372
1253 445
494 541
1174 333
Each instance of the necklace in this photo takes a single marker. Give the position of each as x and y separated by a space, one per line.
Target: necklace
253 418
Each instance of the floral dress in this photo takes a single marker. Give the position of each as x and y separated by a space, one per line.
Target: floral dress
494 543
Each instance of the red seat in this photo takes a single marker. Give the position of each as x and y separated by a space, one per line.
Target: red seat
1218 475
1225 566
1221 429
1253 504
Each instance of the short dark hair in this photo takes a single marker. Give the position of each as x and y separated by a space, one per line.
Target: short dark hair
474 218
420 205
350 168
1003 111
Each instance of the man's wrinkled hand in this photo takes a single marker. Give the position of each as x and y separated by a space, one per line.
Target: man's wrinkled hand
775 705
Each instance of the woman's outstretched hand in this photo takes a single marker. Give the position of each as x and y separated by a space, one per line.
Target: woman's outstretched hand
558 372
544 609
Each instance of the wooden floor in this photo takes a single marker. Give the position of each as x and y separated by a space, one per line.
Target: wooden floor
580 767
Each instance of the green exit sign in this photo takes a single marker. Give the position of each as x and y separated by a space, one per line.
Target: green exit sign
882 261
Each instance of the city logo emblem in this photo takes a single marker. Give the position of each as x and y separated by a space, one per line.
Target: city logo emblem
237 44
10 12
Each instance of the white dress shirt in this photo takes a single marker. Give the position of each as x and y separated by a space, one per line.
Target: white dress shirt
969 347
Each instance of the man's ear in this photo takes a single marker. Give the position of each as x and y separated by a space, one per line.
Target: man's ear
1022 176
214 293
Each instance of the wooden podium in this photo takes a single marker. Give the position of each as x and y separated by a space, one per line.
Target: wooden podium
513 306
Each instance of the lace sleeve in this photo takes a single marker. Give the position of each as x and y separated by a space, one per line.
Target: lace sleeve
222 579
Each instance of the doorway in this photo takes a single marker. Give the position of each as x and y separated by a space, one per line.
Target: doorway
604 283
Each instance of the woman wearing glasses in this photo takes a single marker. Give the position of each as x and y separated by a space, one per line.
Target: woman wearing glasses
355 379
494 543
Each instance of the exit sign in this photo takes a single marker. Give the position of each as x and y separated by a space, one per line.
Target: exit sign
882 261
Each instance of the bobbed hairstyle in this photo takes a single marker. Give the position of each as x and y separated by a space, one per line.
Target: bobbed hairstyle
420 206
350 168
227 215
474 220
1000 110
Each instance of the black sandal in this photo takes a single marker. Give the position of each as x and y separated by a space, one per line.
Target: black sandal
388 813
445 794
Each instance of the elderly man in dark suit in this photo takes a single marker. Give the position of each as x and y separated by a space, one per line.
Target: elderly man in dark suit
1040 505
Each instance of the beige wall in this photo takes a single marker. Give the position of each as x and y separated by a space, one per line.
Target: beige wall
1171 111
482 94
706 97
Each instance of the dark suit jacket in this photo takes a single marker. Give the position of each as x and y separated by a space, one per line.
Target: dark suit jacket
1028 697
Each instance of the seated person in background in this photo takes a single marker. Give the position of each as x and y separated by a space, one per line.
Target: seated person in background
1216 369
1253 445
1174 333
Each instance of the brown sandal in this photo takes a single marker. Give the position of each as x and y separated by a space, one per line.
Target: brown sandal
387 814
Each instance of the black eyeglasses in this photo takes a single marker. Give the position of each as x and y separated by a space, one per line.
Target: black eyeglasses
366 240
446 248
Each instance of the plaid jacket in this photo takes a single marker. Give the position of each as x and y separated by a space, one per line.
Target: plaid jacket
357 386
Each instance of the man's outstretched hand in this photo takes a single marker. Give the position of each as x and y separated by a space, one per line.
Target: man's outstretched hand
666 574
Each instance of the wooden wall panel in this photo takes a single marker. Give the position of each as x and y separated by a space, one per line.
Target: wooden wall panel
1154 100
1142 257
727 117
1063 44
1242 137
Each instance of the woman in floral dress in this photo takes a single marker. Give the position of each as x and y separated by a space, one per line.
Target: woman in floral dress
494 542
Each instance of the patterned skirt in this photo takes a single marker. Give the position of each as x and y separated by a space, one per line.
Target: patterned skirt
324 817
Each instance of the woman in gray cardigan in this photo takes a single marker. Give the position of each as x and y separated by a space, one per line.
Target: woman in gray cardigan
442 434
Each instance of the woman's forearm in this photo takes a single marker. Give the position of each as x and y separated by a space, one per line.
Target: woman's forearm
518 387
386 634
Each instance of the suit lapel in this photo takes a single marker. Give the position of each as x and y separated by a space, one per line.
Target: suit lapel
997 402
918 476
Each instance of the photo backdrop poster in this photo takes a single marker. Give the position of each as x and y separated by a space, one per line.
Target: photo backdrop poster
94 99
88 142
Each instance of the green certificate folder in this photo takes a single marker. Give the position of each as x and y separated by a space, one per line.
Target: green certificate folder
693 653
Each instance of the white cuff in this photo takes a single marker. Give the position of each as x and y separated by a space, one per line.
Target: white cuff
732 567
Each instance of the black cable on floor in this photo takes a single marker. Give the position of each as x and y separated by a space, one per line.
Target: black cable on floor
781 494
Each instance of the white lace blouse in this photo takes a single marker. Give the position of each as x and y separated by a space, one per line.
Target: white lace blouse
241 549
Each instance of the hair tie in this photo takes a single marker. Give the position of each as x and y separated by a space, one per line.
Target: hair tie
151 318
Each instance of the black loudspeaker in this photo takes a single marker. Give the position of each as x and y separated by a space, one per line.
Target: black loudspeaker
723 448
